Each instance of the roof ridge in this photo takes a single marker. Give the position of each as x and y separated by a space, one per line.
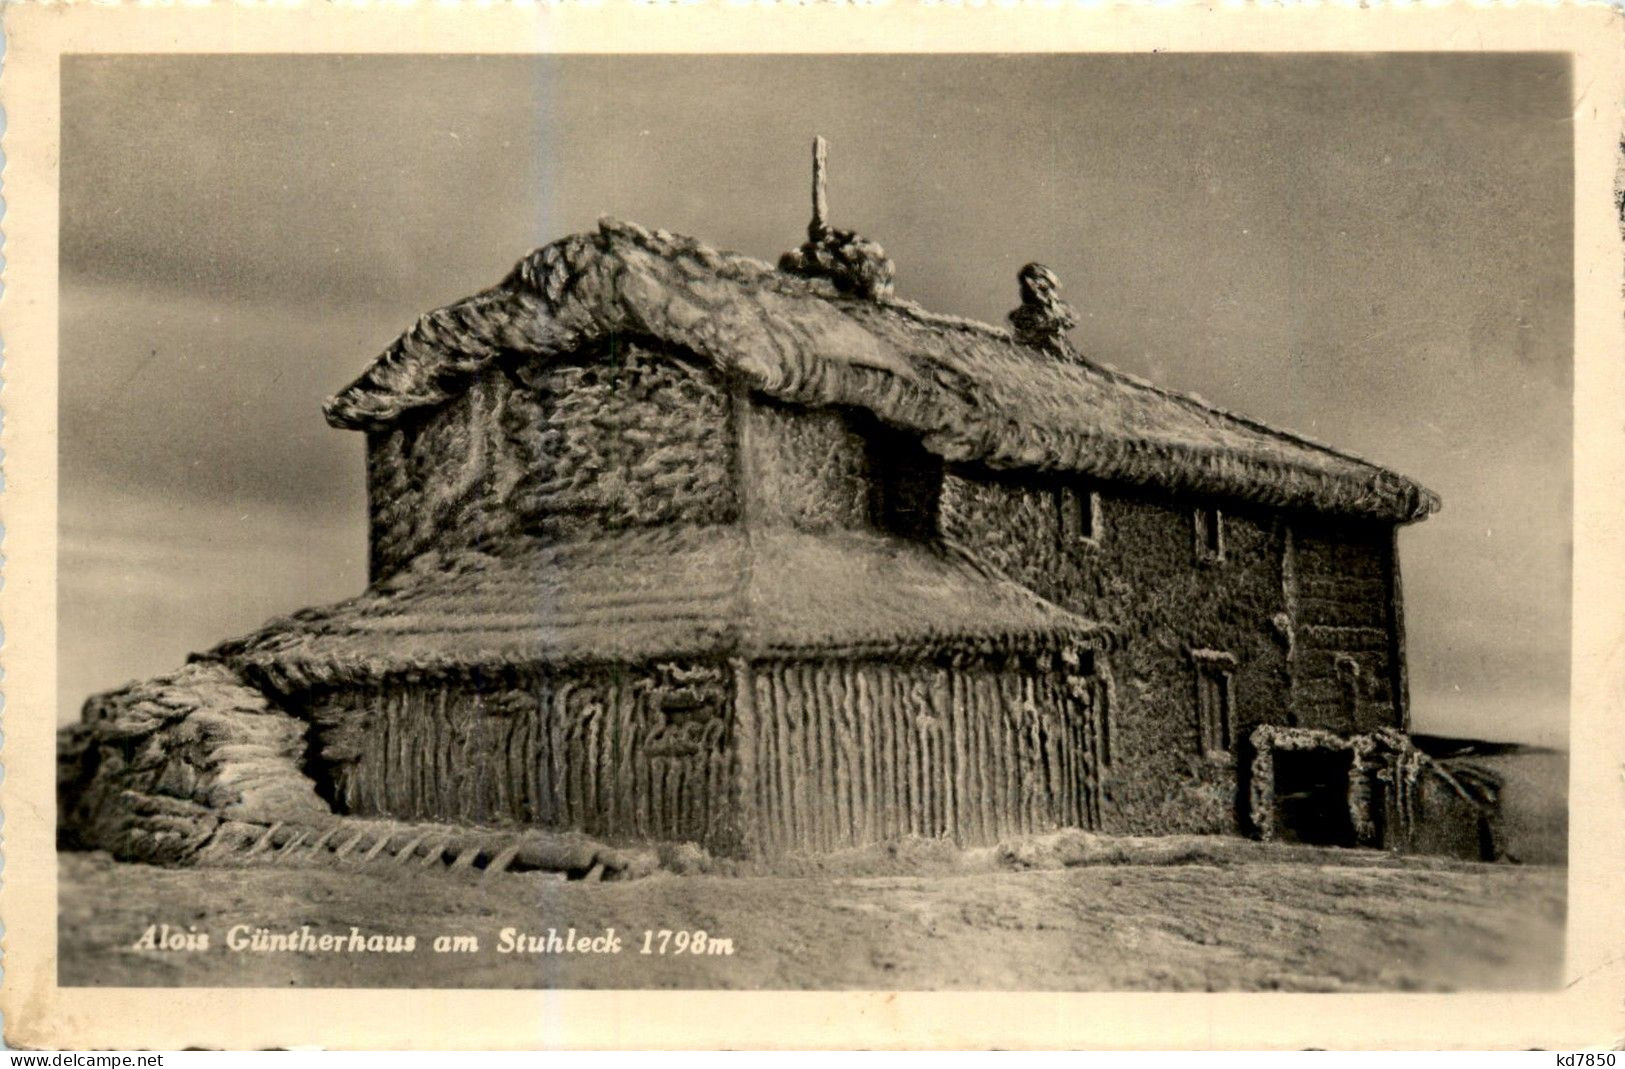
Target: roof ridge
668 243
665 242
672 245
806 342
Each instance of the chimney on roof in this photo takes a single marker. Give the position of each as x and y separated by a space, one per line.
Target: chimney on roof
856 265
1044 318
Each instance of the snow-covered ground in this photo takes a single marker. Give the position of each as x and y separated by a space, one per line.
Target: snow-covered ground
1069 912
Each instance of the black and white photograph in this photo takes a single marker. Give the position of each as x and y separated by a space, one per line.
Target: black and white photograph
1003 575
821 522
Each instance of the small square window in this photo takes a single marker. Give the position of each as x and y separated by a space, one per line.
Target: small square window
1077 515
1209 524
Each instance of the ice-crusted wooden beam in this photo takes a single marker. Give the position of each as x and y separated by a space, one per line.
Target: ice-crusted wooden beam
820 186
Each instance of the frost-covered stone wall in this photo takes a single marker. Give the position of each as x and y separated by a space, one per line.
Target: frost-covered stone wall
1148 572
624 438
802 468
155 768
1344 675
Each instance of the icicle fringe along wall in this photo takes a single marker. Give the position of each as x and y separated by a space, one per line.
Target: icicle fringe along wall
763 757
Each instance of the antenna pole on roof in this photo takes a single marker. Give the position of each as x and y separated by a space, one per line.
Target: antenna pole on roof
820 216
857 267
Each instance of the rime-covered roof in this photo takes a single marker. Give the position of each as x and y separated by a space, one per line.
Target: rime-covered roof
671 592
970 391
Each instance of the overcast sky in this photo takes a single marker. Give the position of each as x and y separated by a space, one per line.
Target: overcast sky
1371 250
